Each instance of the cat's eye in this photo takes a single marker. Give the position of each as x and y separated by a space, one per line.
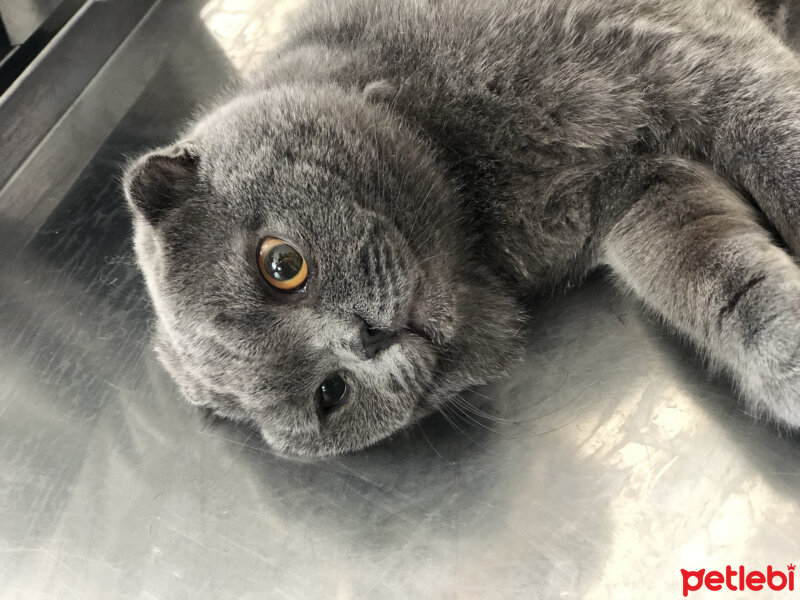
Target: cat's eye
281 264
332 392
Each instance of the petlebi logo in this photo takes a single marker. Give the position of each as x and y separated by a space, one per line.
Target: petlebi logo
739 580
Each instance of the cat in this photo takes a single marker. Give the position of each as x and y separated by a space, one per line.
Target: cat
355 237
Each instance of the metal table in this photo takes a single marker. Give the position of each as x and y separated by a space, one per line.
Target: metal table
614 461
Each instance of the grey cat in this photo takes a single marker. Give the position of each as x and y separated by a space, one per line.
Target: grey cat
345 244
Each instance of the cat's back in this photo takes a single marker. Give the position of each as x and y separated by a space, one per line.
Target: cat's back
524 55
475 25
517 94
553 70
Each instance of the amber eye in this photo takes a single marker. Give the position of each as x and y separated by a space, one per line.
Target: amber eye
281 264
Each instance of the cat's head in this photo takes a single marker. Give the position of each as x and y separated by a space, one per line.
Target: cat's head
312 272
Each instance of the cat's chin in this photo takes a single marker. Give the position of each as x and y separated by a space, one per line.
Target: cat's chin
311 445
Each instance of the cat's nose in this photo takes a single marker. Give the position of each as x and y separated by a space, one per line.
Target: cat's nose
376 340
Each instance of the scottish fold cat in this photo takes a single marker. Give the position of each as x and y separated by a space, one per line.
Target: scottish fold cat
344 244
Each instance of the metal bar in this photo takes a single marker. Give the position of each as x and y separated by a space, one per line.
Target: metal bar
52 82
50 170
25 51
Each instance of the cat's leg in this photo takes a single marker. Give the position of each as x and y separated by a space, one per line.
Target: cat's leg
690 247
755 136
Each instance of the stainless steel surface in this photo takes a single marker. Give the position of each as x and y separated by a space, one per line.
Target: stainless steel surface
40 96
47 174
22 17
615 460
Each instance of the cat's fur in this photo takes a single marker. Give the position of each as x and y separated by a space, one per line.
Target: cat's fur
441 161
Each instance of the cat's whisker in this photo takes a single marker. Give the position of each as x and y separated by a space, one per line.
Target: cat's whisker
450 418
457 401
469 418
427 439
465 404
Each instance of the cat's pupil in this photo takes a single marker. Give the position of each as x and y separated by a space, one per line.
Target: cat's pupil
284 262
332 391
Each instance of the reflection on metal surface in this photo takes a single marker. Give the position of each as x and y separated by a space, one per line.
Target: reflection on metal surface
22 17
38 98
613 460
247 30
40 182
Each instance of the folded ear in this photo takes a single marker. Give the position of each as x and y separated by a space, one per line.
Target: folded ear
161 180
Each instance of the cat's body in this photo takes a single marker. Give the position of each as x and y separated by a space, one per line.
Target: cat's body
444 161
532 103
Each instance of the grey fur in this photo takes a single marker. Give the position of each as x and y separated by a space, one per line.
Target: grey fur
441 162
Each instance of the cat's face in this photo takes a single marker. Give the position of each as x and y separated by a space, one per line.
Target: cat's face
311 273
